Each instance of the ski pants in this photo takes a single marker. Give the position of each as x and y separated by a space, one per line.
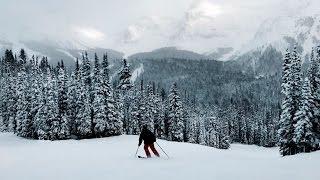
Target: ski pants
153 149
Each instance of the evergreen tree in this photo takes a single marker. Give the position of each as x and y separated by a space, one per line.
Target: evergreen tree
73 108
303 133
125 93
191 131
84 121
159 116
149 108
86 70
125 77
175 115
23 105
114 124
314 77
99 106
11 104
202 134
286 119
64 131
46 119
291 89
135 114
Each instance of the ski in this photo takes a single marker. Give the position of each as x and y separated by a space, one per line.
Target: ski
142 157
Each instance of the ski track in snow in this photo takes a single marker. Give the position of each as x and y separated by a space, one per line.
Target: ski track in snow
67 53
113 158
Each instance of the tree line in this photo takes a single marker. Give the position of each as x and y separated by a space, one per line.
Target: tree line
40 101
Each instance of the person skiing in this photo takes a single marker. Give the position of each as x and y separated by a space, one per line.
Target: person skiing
149 138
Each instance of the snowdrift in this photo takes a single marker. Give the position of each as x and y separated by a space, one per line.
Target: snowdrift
113 158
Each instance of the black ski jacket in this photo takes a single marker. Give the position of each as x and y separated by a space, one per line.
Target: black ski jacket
147 136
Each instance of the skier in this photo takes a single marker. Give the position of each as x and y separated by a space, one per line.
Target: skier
149 138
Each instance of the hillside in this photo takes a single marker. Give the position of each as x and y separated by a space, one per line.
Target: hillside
167 53
113 158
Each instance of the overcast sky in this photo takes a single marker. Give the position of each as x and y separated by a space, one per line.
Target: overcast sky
142 25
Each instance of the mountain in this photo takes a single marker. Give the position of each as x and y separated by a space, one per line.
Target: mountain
263 53
56 51
285 32
168 53
221 53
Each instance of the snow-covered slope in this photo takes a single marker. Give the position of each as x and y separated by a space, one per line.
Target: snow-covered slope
137 72
113 158
222 53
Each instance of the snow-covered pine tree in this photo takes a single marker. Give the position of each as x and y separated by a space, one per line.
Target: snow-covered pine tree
304 136
73 109
35 92
314 77
99 107
11 107
53 108
4 102
287 114
46 122
86 70
251 132
150 108
297 78
2 98
105 67
263 135
201 131
135 114
11 69
22 103
191 129
216 136
175 115
159 116
83 123
243 128
291 90
119 107
125 77
125 86
64 122
84 120
114 124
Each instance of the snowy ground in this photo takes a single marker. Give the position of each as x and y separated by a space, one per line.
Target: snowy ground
112 158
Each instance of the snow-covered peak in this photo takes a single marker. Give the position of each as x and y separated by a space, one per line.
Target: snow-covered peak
285 32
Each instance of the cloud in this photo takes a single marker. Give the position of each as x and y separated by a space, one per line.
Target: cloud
143 25
89 33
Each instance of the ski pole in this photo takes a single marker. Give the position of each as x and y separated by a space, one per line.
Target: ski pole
136 151
162 150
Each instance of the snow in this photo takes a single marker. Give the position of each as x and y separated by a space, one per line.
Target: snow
67 53
113 158
283 32
136 73
16 46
